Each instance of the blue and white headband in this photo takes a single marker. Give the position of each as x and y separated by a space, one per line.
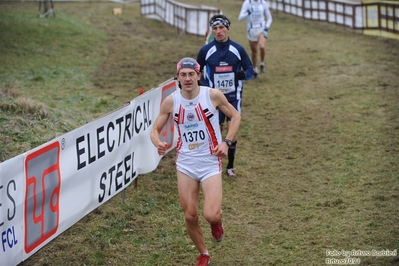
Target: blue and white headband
220 21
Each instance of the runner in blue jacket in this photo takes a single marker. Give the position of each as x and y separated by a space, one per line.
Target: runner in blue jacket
225 65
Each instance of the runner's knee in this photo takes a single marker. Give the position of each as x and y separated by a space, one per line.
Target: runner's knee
191 217
212 216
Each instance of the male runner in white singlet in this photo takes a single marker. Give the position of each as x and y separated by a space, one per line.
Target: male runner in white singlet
199 151
259 20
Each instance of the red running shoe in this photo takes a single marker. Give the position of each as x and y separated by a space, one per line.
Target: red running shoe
217 231
203 260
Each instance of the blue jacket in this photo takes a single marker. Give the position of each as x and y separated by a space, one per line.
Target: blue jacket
220 62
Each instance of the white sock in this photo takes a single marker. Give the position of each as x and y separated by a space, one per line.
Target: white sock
262 63
256 69
205 253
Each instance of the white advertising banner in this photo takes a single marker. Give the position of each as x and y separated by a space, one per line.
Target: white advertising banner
188 18
11 210
50 188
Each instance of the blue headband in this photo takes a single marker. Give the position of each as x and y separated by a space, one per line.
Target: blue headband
219 21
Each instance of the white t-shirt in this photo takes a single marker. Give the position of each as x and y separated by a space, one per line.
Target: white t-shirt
259 10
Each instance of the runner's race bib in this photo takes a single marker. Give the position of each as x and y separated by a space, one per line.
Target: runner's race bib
224 82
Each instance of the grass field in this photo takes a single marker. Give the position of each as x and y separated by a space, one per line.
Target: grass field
318 153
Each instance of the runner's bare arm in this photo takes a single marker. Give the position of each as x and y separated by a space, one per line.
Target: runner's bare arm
220 102
160 121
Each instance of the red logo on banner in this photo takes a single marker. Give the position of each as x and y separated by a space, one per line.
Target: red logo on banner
43 182
223 68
